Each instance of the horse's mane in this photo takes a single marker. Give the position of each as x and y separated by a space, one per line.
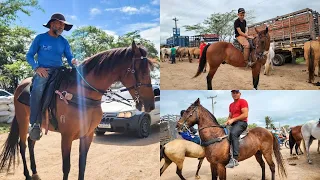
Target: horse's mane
210 114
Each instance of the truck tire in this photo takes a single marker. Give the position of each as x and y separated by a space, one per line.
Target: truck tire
278 60
98 132
143 129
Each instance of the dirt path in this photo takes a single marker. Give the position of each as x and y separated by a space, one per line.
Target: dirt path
250 169
178 76
112 156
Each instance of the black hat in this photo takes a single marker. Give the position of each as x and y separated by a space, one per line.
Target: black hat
237 91
59 17
241 10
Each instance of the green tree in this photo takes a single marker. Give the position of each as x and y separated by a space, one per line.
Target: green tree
220 23
268 121
253 125
272 126
222 120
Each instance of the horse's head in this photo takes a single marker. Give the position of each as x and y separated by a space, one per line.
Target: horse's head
262 42
137 79
190 117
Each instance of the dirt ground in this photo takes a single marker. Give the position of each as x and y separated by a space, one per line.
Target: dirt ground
179 76
112 156
249 169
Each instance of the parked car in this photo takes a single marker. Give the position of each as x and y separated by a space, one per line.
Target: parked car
119 117
5 93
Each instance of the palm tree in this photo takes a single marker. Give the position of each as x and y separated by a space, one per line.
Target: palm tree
268 121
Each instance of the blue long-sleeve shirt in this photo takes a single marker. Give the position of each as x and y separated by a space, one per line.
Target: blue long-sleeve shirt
49 50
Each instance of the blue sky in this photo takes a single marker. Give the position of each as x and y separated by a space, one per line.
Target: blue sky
116 17
286 107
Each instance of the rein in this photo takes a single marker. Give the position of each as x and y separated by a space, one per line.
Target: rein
109 91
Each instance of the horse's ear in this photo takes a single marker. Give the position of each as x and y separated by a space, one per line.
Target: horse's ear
197 102
267 30
256 30
134 46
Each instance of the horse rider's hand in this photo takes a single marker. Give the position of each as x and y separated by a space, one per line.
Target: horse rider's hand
229 122
75 62
42 72
250 37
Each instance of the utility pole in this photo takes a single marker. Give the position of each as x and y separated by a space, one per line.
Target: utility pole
176 30
213 102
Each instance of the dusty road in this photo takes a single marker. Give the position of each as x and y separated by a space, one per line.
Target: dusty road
249 169
178 76
112 156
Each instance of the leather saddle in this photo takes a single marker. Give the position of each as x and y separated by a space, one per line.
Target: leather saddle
237 45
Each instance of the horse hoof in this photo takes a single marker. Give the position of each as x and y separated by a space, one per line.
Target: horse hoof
197 177
36 177
310 162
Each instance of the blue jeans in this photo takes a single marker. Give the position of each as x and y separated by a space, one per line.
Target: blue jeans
38 87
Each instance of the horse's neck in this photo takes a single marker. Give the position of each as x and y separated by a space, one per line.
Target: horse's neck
205 120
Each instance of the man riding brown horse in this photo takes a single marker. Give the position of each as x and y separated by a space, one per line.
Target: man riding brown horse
241 33
238 117
49 47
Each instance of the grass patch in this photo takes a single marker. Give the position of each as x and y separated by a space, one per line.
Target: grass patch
300 60
4 128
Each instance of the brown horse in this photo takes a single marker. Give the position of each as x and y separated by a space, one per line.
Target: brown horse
181 52
176 151
258 142
312 57
295 138
127 65
224 52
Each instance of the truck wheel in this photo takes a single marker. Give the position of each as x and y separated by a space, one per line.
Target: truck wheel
278 60
143 130
98 132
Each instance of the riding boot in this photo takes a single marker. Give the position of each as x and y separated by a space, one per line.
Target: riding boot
246 53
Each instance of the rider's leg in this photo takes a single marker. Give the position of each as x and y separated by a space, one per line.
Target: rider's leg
235 132
38 87
246 52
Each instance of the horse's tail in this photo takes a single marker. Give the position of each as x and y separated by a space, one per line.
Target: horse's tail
203 61
278 156
162 153
311 64
11 147
292 141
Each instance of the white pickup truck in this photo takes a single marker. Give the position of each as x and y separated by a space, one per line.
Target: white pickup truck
118 117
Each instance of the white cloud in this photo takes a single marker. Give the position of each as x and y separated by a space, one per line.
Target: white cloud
72 17
155 2
94 11
133 10
152 34
113 33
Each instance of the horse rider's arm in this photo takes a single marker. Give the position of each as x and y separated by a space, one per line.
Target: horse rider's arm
230 116
240 32
247 30
243 116
32 51
68 53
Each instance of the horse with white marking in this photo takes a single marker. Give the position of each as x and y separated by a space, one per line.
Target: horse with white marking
269 62
310 131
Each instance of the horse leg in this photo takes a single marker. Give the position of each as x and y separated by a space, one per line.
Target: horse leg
318 146
166 164
66 143
23 147
179 169
308 144
222 172
214 171
258 156
85 143
255 75
268 157
210 76
199 166
32 159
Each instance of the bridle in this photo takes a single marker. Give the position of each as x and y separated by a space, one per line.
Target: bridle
136 86
258 55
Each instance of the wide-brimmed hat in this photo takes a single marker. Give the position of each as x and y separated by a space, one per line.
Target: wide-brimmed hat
59 17
235 90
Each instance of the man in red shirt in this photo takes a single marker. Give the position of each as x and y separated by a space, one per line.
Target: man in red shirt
238 118
202 45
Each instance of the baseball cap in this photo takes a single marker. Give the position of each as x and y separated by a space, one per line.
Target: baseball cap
237 91
241 10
